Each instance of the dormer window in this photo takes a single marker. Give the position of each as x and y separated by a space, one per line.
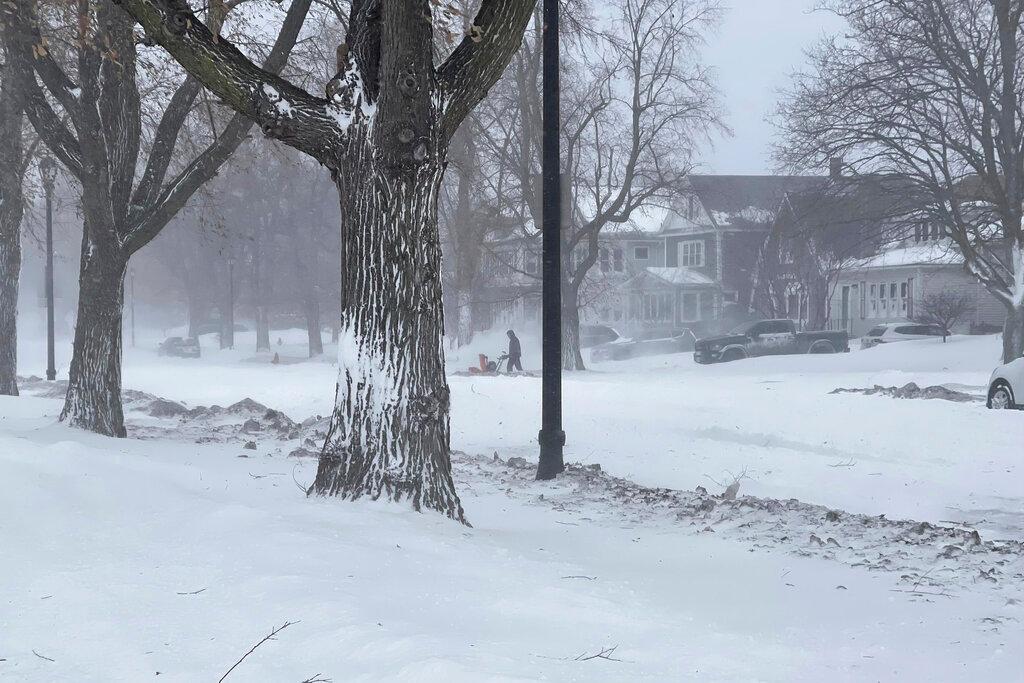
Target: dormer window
929 231
691 208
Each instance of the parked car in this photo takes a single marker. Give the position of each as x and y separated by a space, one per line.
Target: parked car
179 347
1006 386
767 338
650 344
592 335
886 333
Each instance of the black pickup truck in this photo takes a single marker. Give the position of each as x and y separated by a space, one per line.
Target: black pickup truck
767 338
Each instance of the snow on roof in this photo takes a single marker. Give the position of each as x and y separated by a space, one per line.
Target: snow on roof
937 254
648 219
680 276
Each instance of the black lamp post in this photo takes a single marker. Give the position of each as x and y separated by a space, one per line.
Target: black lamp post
48 173
552 438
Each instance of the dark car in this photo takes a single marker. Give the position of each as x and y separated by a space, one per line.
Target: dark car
592 335
650 344
767 338
179 347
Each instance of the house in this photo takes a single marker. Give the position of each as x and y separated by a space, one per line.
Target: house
691 265
858 251
890 286
709 245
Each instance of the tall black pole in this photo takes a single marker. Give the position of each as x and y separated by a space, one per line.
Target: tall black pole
51 369
551 438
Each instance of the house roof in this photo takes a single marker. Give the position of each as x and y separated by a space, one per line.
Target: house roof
739 199
935 254
679 276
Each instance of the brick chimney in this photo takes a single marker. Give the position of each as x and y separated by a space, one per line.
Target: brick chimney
835 168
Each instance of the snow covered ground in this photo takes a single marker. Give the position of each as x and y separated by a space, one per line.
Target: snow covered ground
124 558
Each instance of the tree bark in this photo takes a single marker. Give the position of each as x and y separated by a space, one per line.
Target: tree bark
1013 333
93 398
11 210
389 433
316 342
572 355
10 269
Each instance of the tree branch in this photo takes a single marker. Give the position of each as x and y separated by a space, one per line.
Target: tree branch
481 57
285 112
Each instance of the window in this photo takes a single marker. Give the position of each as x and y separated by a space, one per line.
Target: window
691 254
904 287
876 331
617 262
641 253
874 302
729 297
691 208
605 261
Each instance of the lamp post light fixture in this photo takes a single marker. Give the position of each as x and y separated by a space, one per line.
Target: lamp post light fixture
48 174
551 437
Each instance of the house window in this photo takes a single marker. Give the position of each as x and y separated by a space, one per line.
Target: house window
729 297
874 302
904 288
691 254
690 306
605 261
641 253
691 208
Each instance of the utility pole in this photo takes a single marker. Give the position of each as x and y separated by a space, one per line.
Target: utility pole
551 437
48 173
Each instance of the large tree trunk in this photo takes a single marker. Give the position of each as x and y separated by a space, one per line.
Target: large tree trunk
11 210
572 355
316 342
389 433
93 399
1013 333
10 269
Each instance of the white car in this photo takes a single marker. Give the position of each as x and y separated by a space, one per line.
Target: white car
1006 387
887 333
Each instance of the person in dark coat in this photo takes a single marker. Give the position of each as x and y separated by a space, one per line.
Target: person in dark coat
515 353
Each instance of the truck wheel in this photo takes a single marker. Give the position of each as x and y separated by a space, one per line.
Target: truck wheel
822 347
732 354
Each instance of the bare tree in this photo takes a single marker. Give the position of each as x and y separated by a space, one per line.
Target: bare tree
93 70
930 90
383 132
945 309
635 103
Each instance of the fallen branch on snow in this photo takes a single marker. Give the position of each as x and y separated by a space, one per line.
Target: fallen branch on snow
269 636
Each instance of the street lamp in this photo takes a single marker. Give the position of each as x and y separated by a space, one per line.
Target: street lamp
48 174
551 437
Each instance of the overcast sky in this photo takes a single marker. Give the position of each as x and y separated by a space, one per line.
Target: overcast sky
759 43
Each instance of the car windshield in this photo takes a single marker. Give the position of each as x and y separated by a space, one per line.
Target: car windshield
876 331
